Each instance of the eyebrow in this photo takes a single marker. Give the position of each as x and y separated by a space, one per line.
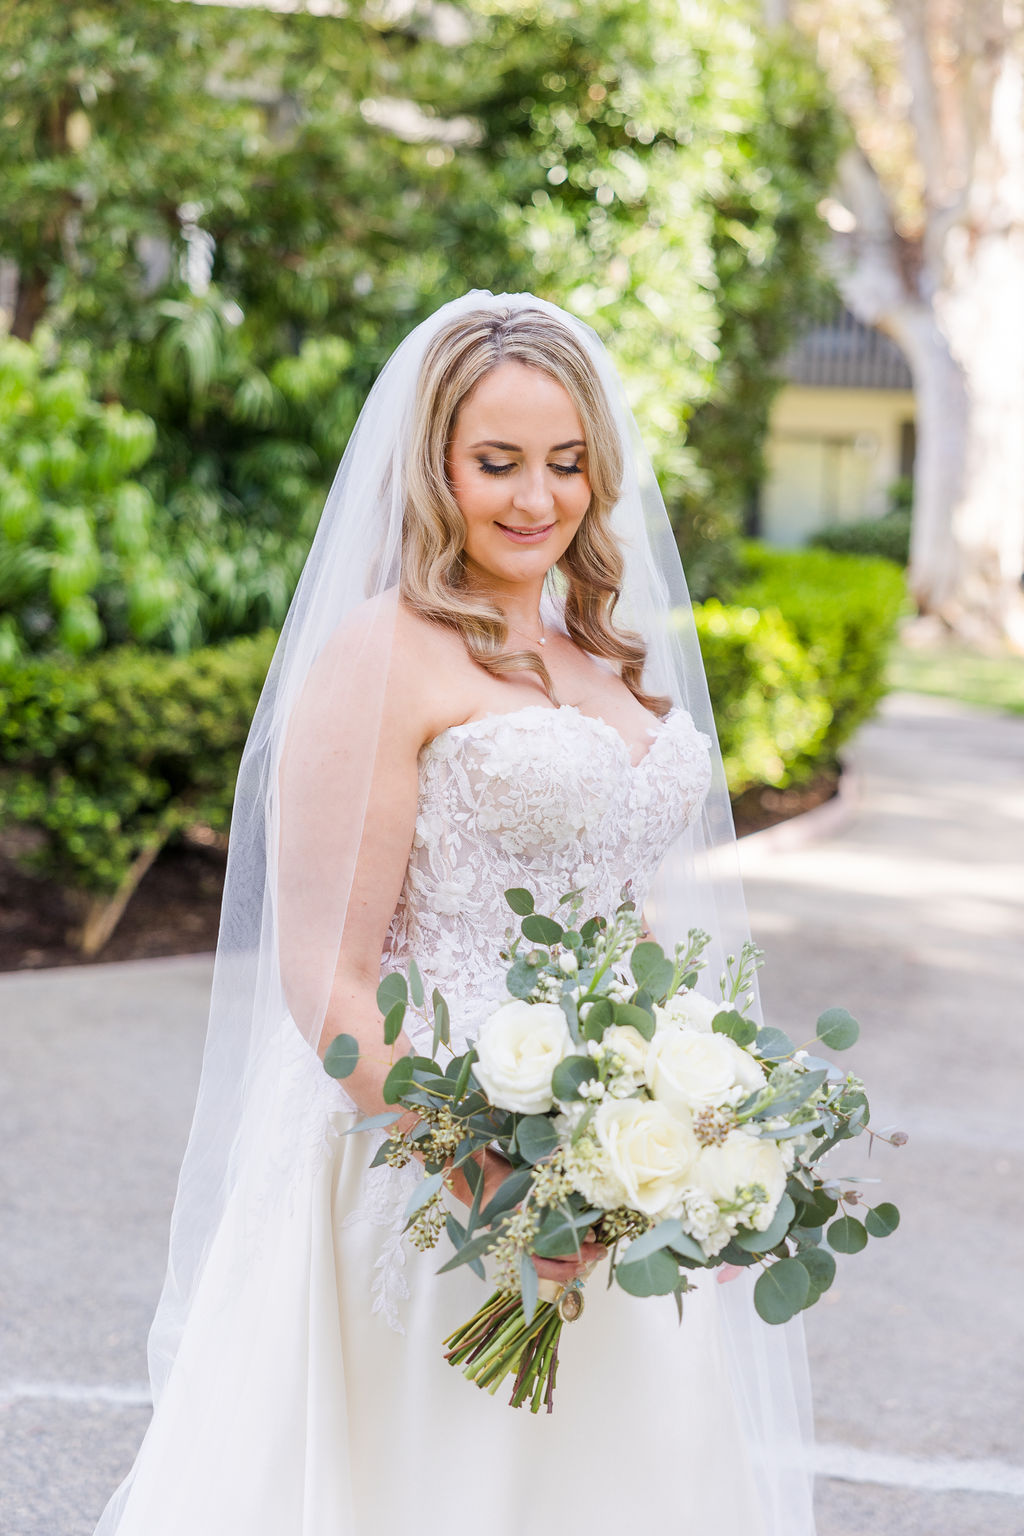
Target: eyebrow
515 448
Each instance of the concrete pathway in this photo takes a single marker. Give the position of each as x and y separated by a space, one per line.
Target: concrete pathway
912 915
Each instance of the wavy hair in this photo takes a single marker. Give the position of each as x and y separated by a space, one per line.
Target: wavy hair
434 530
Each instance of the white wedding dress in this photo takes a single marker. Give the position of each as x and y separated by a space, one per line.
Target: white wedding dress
309 1396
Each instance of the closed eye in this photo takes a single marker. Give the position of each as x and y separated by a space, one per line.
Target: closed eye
503 469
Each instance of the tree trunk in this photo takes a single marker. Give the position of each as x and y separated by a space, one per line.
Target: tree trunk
30 305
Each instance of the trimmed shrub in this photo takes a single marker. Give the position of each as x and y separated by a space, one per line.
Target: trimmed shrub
887 537
766 694
843 610
103 762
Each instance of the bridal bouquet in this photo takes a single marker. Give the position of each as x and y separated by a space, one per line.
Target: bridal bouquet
635 1111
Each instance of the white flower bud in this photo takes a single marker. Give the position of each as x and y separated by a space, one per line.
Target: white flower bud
567 963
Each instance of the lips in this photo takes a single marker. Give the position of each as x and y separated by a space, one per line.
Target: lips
526 535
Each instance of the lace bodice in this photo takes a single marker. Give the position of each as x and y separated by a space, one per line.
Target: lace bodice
543 798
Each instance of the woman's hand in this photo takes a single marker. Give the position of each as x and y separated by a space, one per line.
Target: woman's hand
564 1271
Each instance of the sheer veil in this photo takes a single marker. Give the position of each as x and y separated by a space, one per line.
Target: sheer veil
290 870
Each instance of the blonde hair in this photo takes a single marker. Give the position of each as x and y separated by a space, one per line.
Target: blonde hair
434 530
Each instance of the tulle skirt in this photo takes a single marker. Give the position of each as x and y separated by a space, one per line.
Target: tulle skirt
296 1407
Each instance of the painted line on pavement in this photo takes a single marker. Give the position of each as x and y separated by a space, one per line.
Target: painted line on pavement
75 1392
939 1475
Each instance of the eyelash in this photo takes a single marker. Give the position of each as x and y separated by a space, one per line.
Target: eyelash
503 469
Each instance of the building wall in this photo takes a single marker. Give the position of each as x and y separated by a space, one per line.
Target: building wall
831 456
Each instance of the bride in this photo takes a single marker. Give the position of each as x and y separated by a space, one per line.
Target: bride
489 678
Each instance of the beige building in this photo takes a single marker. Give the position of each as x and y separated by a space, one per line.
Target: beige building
841 431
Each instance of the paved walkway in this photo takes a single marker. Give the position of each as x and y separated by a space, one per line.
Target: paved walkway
912 915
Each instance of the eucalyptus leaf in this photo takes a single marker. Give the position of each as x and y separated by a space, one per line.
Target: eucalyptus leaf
798 1093
655 1238
475 1248
392 990
507 1195
764 1242
424 1191
657 1274
774 1044
537 1138
415 984
638 1018
373 1122
442 1021
569 1076
522 978
520 901
782 1291
651 969
398 1081
732 1023
457 1235
598 1017
541 930
838 1029
559 1235
821 1267
847 1235
881 1220
342 1056
393 1023
462 1081
529 1282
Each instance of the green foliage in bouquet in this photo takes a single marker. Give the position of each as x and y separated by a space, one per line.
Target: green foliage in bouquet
634 1111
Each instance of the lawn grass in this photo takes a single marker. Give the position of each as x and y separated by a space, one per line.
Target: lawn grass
954 672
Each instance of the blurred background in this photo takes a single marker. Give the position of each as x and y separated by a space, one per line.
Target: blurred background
799 226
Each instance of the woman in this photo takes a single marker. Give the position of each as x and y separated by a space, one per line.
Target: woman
455 707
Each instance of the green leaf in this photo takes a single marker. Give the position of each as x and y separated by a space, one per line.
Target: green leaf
474 1249
782 1291
442 1020
424 1191
415 984
522 978
651 970
732 1254
536 1138
764 1242
847 1235
639 1018
520 901
662 1236
688 1247
881 1220
774 1044
393 1023
462 1081
398 1081
529 1282
342 1056
373 1122
542 930
838 1029
570 1074
730 1022
655 1275
821 1267
599 1017
507 1195
559 1234
457 1236
798 1093
392 990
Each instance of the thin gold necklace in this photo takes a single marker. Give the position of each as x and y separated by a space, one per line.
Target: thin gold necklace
543 637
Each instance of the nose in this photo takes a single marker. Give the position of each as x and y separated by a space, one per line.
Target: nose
533 494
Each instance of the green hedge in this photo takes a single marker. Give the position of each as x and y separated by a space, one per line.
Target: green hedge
887 537
843 610
102 761
106 759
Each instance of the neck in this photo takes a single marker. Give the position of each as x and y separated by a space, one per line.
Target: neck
520 604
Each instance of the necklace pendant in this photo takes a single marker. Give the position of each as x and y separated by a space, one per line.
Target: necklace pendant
543 640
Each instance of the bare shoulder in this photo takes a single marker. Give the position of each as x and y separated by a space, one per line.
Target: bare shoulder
430 670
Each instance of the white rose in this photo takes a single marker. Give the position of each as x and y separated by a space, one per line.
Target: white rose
518 1049
650 1152
687 1070
568 963
687 1010
740 1161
